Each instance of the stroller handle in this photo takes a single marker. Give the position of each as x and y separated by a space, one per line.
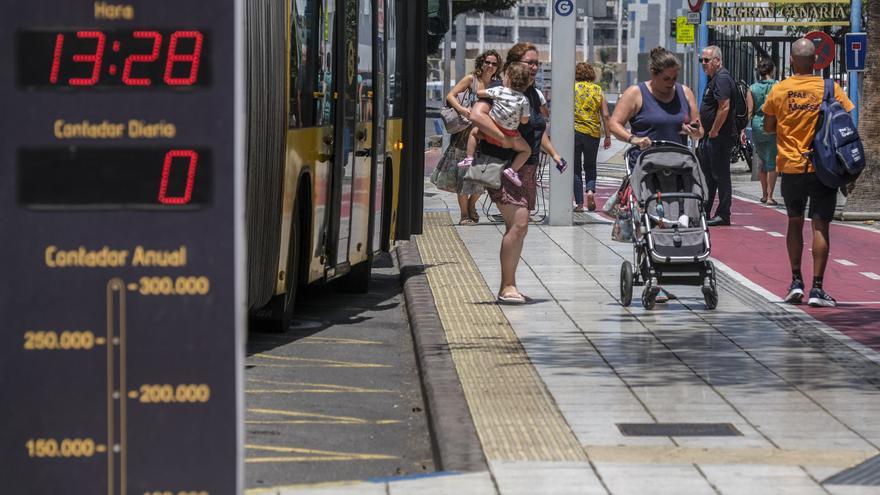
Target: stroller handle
654 197
659 142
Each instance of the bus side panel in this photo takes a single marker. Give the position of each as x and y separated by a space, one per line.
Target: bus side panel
306 150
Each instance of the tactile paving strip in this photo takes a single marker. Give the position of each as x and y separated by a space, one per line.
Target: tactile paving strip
515 416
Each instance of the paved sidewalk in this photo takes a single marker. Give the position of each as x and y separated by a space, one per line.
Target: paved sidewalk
762 398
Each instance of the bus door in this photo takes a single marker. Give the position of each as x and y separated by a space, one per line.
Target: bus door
358 246
379 114
346 87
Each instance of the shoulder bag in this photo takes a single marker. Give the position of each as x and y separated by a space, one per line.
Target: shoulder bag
486 171
453 121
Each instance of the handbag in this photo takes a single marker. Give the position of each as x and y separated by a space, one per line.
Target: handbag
452 120
486 171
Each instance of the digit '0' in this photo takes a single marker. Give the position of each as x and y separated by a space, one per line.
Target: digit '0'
190 177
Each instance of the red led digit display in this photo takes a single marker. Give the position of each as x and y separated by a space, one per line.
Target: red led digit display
190 177
191 58
138 58
152 57
94 59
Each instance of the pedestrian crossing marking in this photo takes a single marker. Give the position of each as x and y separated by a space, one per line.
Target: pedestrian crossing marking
322 363
310 455
315 388
871 275
776 234
753 228
845 262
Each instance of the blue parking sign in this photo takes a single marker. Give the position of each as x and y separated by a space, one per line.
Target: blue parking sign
856 48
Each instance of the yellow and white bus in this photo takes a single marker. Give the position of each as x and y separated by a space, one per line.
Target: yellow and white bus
335 135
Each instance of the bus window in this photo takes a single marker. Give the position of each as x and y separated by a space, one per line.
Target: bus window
303 53
323 92
395 74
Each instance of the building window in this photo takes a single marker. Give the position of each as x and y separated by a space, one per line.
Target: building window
498 34
533 34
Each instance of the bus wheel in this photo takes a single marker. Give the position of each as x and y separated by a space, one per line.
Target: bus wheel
282 305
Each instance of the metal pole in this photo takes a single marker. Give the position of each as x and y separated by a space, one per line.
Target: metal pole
460 45
447 66
563 49
855 22
482 32
703 40
620 31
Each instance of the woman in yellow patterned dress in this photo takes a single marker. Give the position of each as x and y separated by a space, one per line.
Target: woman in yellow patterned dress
589 101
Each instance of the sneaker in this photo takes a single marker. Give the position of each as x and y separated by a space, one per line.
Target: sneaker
820 298
466 162
513 177
795 292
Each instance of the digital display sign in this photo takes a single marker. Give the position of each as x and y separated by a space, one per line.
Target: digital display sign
122 206
114 178
140 58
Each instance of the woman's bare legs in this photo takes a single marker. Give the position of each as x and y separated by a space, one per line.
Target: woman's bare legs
472 207
516 219
463 205
771 185
762 177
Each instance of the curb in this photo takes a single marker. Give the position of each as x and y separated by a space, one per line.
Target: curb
456 444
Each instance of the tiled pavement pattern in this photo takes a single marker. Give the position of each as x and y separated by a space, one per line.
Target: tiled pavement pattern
514 415
804 415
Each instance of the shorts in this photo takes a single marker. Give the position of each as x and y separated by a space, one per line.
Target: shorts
506 132
796 188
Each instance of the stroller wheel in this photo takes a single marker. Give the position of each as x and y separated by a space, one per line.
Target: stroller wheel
626 283
710 288
649 295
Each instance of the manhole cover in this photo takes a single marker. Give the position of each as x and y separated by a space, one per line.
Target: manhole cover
678 430
865 474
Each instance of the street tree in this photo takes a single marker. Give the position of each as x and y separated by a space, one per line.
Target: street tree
864 200
462 6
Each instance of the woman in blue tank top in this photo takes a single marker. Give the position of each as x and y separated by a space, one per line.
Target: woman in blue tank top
657 109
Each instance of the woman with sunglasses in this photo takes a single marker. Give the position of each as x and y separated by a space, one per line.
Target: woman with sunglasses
448 176
514 202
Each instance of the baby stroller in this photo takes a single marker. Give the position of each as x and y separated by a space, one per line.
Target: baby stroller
670 236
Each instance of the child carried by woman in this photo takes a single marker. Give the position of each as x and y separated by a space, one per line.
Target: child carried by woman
510 108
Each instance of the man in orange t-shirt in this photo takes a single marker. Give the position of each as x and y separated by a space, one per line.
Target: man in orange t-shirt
792 111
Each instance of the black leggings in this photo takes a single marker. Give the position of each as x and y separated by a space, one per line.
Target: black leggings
586 148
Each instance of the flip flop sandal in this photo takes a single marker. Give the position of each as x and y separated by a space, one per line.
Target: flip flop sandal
772 202
466 221
511 299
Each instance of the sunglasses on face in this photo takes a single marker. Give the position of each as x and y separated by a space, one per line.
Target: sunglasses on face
493 64
532 63
706 60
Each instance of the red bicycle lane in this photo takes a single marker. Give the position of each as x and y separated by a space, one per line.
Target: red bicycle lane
754 246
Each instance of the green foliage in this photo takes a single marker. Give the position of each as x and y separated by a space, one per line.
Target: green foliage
461 6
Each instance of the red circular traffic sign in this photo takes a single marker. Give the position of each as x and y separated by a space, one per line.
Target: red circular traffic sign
824 48
695 5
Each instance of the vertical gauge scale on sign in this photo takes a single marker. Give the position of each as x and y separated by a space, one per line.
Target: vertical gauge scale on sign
121 202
